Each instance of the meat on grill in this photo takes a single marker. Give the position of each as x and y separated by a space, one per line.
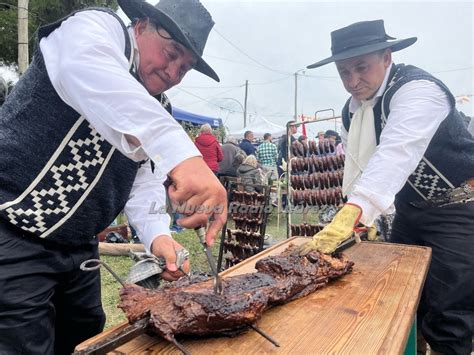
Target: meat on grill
189 305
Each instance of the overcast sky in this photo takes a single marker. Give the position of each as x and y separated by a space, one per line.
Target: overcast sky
266 42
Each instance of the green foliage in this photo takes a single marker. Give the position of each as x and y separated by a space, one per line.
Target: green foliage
193 131
41 12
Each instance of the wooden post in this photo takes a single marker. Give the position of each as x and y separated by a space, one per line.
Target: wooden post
22 35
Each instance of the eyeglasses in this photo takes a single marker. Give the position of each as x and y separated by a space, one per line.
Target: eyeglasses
178 47
163 33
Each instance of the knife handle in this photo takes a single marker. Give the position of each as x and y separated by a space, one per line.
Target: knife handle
201 233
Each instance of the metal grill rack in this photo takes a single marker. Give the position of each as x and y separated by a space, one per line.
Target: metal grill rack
315 174
244 232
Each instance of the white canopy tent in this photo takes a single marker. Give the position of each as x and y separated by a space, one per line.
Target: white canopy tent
259 126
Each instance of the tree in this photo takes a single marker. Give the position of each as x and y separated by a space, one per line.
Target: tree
40 13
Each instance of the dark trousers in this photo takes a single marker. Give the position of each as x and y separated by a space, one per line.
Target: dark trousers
446 310
47 304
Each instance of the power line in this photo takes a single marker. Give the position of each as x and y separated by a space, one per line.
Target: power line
248 56
237 86
203 99
212 87
231 60
207 100
451 70
272 81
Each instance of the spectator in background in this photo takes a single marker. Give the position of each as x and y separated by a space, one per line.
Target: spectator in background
209 147
246 144
233 157
303 139
321 136
249 173
335 139
283 151
267 155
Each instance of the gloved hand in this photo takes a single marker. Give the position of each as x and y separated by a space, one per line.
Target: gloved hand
371 232
340 229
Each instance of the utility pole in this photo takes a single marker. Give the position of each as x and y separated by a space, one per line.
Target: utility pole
22 35
245 102
296 92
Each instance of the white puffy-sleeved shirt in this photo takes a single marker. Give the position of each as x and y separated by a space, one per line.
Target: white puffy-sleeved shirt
87 67
416 111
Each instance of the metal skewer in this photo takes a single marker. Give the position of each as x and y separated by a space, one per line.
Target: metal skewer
84 267
265 335
201 233
181 347
140 325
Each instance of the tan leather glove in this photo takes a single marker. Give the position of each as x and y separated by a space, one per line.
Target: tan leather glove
366 233
340 229
372 233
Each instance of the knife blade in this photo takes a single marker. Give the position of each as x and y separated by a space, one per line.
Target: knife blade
354 239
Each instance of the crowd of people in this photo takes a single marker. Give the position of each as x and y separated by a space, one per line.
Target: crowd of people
255 160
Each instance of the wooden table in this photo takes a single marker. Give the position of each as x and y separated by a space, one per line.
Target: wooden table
368 311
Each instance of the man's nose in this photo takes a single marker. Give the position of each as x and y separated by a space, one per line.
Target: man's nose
353 80
173 72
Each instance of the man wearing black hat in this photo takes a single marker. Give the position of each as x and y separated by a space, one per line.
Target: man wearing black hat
81 133
406 145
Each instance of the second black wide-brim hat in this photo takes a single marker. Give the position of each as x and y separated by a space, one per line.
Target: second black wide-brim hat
187 21
361 38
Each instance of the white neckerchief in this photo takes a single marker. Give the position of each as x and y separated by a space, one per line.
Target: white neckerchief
133 43
361 145
361 139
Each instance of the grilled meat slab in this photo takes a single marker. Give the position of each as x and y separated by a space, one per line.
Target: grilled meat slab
189 305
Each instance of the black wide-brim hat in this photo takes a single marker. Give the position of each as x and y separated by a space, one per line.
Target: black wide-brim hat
187 21
361 38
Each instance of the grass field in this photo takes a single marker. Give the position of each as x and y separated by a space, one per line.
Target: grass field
187 238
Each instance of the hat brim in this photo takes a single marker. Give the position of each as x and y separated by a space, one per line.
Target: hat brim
139 9
370 48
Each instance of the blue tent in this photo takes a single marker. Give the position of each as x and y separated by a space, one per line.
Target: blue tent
181 115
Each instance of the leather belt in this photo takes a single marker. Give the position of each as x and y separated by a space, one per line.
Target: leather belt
470 182
461 194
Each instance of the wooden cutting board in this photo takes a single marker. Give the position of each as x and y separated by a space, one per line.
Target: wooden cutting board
368 311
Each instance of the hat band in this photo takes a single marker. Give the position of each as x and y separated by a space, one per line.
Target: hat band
351 44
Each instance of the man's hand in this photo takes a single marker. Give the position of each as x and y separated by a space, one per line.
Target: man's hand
340 229
166 247
200 196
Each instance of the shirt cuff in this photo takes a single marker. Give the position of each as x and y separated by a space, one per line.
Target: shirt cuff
152 230
369 211
168 153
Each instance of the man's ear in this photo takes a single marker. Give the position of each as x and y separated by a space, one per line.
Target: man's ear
387 57
141 26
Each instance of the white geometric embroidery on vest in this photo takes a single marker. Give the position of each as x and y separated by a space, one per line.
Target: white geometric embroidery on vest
427 181
79 164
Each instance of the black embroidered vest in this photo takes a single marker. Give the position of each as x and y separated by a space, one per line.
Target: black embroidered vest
59 179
